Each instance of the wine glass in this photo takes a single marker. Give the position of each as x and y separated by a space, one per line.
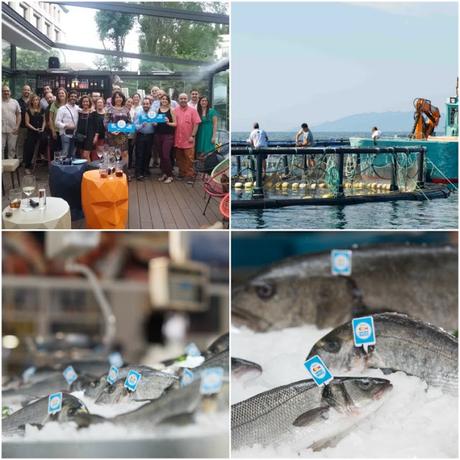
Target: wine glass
100 153
118 155
29 184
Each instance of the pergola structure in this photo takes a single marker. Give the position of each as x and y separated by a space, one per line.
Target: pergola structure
19 32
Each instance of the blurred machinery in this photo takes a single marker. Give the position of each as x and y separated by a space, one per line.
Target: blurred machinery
83 294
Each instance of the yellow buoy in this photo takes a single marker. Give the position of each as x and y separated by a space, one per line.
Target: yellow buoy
248 185
302 185
278 185
313 186
238 185
295 185
285 185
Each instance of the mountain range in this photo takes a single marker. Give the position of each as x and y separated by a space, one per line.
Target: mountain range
385 121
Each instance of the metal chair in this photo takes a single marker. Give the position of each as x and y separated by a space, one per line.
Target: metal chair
217 185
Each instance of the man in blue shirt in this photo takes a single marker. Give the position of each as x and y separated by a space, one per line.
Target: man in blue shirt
144 140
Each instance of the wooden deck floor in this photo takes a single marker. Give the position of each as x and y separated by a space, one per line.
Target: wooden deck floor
152 204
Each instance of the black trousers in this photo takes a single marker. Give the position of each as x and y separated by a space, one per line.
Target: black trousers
32 139
143 151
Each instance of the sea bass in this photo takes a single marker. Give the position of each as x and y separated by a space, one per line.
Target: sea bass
269 416
402 344
36 413
53 383
417 280
174 402
151 386
241 367
96 386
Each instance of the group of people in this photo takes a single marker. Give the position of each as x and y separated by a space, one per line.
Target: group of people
80 125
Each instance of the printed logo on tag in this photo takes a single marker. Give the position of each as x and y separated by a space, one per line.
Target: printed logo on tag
192 350
121 123
70 375
54 403
318 370
132 380
112 375
115 359
363 332
341 262
187 378
211 380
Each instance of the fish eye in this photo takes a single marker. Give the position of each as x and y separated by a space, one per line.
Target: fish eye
71 411
365 384
332 346
265 291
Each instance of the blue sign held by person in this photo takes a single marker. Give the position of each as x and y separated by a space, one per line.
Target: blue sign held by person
341 262
112 375
152 117
363 332
121 127
318 370
70 375
54 403
132 380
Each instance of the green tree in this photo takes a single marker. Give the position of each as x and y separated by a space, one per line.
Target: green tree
35 60
180 38
113 28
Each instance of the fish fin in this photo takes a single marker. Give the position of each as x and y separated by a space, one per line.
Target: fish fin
36 425
84 420
388 370
311 415
330 441
179 419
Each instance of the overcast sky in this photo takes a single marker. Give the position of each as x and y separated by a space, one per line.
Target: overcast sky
316 62
73 35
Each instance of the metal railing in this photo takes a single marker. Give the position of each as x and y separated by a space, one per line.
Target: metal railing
259 156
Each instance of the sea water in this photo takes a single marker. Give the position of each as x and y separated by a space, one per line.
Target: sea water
433 214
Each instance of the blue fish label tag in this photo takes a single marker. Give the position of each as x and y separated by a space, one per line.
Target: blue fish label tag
28 373
318 370
341 262
70 375
152 117
121 127
192 350
54 403
112 375
132 380
211 380
363 332
187 378
115 359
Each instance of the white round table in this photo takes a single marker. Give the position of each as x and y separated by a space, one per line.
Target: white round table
55 215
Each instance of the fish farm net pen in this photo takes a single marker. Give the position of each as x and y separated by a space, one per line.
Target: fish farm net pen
344 171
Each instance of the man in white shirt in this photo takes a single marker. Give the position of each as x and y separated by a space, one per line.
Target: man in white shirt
258 139
194 98
67 121
11 119
376 133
